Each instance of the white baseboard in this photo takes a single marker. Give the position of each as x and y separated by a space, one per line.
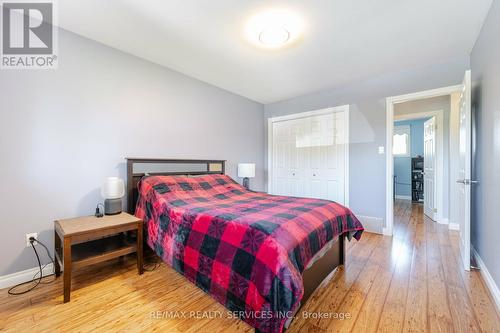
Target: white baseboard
403 197
454 226
443 221
10 280
387 231
490 283
372 224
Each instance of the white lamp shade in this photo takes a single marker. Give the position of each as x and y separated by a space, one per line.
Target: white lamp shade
246 170
113 188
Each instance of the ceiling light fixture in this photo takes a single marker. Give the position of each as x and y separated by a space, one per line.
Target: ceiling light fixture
274 28
274 36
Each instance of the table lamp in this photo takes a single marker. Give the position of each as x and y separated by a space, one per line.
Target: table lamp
113 191
246 171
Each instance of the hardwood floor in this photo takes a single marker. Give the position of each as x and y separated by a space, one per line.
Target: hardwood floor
412 282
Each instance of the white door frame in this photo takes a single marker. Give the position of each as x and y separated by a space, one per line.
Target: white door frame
439 174
270 121
390 102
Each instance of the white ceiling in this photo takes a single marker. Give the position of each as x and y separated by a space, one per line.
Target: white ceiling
344 40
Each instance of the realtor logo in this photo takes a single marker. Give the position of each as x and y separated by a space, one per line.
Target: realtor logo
28 35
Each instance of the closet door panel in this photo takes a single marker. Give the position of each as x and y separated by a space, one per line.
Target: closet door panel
288 169
281 157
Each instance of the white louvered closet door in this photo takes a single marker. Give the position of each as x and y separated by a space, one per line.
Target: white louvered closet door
309 157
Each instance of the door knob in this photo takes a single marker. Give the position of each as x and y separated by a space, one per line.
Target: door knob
314 175
461 181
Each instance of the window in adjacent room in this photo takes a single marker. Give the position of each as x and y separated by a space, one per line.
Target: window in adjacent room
401 141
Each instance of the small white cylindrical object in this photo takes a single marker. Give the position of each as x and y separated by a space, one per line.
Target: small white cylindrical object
246 170
113 188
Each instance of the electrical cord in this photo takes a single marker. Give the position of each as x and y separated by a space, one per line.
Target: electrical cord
155 265
35 281
53 266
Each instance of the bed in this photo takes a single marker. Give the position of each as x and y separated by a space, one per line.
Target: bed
259 255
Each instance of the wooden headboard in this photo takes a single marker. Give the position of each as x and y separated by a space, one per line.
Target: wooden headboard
140 167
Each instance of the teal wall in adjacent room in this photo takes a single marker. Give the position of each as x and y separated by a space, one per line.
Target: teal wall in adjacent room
402 165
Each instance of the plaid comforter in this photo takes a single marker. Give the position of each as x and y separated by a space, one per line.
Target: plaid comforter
246 249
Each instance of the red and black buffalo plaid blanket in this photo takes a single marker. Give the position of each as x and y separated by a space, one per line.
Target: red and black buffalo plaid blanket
246 249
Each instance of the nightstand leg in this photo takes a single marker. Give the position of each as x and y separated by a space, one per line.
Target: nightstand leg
67 269
140 267
57 251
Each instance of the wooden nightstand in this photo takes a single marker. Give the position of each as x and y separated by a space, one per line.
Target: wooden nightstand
84 241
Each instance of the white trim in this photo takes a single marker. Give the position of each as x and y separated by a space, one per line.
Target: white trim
488 279
454 226
424 94
309 113
443 221
371 224
10 280
347 140
270 121
403 197
389 170
390 101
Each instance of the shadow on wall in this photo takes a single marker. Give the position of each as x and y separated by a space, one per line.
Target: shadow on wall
475 172
360 130
92 198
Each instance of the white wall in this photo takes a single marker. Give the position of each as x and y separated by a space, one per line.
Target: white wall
63 131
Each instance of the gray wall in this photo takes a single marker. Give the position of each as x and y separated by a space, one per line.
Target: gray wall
367 123
434 104
485 64
63 131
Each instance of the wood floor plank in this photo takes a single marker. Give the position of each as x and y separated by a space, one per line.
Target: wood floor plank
393 313
439 316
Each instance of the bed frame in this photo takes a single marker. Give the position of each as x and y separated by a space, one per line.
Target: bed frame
312 276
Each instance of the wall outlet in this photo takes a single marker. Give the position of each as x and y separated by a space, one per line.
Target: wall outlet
33 234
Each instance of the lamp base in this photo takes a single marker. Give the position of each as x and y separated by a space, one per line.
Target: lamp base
112 206
246 183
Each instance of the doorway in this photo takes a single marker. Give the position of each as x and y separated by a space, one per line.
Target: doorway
458 173
392 104
419 156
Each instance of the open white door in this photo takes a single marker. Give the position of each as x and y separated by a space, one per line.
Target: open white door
464 189
430 168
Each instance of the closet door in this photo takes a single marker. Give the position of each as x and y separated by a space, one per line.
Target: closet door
289 160
325 175
309 156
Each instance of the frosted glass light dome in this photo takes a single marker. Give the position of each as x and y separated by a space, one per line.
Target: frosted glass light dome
246 170
113 188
